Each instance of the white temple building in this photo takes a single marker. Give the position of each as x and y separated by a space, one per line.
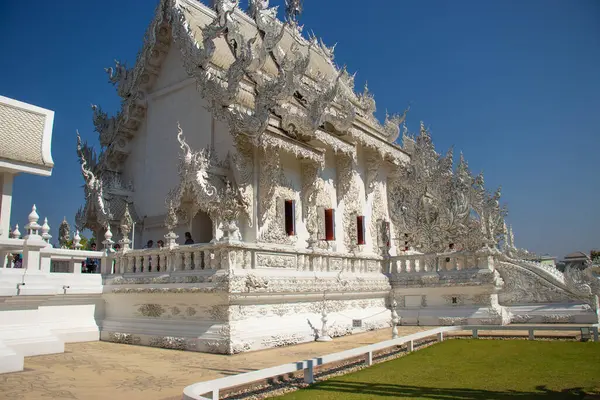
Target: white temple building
310 218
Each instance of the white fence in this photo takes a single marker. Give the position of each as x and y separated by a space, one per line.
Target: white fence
34 276
198 391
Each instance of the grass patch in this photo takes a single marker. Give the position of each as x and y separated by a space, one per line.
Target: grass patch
473 369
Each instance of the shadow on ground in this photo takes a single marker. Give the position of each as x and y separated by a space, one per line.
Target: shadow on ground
365 389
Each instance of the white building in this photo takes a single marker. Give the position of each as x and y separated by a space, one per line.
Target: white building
238 129
39 311
26 136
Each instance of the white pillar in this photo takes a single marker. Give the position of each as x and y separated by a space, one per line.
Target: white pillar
6 183
45 263
33 242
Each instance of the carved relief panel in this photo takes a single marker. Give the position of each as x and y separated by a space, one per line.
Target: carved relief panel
274 189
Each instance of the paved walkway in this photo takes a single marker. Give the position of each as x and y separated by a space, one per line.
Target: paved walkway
102 370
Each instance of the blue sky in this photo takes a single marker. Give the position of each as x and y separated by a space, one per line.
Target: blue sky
515 85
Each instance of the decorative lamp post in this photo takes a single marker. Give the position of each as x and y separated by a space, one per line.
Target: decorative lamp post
324 336
76 240
33 227
108 243
16 234
171 223
46 231
395 318
125 226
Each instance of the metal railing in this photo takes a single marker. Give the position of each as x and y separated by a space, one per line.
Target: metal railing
212 388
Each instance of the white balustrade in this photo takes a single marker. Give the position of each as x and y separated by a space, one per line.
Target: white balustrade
214 256
424 263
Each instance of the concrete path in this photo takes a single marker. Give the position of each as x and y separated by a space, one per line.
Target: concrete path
109 371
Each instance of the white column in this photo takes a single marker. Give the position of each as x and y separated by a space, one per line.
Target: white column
6 183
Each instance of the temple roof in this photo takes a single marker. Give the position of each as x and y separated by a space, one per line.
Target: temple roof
255 72
25 137
577 255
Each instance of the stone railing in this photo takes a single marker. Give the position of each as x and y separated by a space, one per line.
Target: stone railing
423 263
238 255
181 258
36 251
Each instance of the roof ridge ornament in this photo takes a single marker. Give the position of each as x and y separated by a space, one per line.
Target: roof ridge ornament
391 126
293 10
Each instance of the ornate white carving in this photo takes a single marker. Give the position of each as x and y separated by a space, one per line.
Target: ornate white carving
451 321
200 190
274 189
169 342
275 260
314 195
64 233
437 206
348 192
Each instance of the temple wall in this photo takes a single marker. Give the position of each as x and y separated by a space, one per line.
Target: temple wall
329 177
172 71
292 169
152 164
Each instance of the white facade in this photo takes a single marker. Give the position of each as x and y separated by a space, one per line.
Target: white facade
239 130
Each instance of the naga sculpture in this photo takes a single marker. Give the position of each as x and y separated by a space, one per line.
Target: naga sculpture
93 184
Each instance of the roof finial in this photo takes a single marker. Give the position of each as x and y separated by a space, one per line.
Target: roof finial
293 9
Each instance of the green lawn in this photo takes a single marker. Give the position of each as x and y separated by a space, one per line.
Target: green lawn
473 369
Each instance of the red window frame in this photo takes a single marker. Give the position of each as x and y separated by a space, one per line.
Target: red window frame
329 224
290 217
360 229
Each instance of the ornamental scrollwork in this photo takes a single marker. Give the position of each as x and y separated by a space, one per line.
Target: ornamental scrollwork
437 206
314 196
201 190
93 189
274 189
349 193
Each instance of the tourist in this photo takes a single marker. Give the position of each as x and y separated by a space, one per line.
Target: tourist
18 261
188 238
91 264
117 247
149 245
161 245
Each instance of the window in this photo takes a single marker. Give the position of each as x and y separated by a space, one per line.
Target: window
357 323
451 246
360 229
290 217
454 300
329 224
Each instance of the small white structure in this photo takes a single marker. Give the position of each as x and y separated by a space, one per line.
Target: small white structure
39 310
25 137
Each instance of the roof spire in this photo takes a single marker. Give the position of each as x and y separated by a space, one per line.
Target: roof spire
293 9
